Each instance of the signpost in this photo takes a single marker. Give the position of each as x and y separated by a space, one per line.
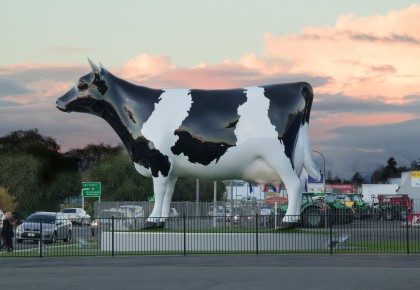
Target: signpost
90 189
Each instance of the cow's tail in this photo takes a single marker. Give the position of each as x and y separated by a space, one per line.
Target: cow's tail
308 161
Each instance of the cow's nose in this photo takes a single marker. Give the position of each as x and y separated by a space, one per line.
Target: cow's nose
59 105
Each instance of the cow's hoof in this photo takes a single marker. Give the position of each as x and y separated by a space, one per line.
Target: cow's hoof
160 225
150 225
287 226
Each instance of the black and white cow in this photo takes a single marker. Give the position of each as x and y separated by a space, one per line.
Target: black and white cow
257 134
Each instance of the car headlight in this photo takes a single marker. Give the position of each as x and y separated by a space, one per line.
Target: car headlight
19 229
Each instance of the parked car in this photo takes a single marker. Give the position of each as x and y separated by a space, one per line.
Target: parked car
173 212
210 213
54 225
76 216
229 216
104 220
220 214
134 214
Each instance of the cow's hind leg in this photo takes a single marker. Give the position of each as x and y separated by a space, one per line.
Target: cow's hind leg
283 166
159 189
167 200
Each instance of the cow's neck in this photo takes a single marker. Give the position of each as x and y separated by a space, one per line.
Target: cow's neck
128 100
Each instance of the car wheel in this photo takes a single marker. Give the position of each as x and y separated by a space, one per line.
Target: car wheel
68 238
376 216
312 218
53 238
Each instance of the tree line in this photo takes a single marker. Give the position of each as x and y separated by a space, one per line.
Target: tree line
36 175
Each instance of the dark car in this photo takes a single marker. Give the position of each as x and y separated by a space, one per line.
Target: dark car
54 225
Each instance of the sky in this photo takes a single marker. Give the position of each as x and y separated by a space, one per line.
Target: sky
361 57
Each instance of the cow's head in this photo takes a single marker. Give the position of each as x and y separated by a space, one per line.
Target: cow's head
87 95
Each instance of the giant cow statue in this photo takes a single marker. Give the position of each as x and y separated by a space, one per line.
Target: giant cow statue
257 134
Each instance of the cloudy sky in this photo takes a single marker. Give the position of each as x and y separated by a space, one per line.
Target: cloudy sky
362 58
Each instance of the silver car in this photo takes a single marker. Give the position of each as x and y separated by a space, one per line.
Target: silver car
77 215
48 226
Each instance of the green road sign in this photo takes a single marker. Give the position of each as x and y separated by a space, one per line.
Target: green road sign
90 189
151 198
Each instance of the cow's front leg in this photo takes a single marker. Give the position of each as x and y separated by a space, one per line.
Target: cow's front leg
159 189
167 200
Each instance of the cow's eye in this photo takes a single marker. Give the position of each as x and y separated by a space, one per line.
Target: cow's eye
82 86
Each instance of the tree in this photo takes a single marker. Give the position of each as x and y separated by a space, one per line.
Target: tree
36 174
93 153
415 165
7 201
377 175
357 179
119 180
29 141
390 170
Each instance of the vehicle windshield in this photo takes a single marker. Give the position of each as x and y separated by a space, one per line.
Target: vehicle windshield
356 198
69 210
329 198
36 218
306 198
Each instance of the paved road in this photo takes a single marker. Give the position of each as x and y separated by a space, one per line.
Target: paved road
295 272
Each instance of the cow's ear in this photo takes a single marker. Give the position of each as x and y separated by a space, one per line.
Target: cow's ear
94 66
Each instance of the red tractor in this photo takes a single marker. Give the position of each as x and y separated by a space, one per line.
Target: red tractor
394 206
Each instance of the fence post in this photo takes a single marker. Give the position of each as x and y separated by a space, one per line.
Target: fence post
407 233
331 239
112 235
40 238
256 234
185 233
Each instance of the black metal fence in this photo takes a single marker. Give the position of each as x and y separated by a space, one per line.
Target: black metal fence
186 235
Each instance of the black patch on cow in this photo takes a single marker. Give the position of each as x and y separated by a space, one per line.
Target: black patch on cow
100 84
287 111
209 129
143 100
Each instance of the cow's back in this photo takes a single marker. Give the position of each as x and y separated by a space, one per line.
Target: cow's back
218 124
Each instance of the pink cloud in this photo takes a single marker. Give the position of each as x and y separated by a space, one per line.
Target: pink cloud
143 66
365 56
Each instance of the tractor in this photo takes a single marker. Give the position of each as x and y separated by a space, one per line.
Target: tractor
362 210
313 212
393 207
